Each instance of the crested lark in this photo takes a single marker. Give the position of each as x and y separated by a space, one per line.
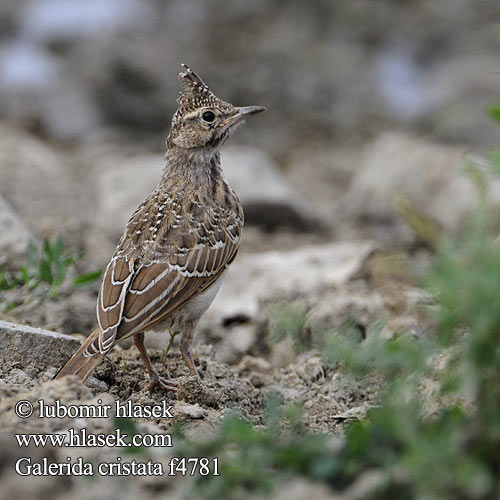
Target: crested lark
174 253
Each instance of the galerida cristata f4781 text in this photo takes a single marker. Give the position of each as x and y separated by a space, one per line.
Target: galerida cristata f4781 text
178 244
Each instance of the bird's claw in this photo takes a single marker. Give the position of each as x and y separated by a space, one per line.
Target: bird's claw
167 385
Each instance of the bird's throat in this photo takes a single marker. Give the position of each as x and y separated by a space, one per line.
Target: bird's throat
195 166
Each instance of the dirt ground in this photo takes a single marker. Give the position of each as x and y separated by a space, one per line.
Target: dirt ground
328 398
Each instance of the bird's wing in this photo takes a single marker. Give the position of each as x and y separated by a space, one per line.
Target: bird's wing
149 279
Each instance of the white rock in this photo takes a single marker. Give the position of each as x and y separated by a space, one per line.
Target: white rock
122 184
25 66
431 176
97 385
19 376
42 184
299 488
267 197
238 340
188 410
254 277
36 87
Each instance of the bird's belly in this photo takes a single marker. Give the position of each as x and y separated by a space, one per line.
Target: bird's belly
197 306
193 310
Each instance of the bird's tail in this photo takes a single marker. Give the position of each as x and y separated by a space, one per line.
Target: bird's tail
79 364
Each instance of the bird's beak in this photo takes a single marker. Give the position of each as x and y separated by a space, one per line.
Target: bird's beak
241 114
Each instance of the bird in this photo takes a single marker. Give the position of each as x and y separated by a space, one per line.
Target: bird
176 247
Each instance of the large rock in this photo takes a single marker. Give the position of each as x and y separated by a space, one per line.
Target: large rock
33 349
428 177
37 84
43 185
323 175
14 237
268 198
253 278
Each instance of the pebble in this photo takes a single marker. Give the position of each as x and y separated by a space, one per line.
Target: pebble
192 411
19 376
97 384
257 380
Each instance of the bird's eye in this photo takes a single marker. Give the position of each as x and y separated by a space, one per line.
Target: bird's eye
208 116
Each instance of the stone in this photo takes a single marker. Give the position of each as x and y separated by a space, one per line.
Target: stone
323 176
32 349
252 364
268 198
299 488
192 411
308 404
43 185
253 278
355 302
14 237
400 168
72 312
97 385
238 340
19 376
257 379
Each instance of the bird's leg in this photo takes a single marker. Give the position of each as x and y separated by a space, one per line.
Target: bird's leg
156 380
186 340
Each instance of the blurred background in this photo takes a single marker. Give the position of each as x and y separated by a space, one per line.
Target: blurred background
376 109
329 71
87 91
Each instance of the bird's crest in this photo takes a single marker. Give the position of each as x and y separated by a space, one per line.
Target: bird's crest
192 84
194 91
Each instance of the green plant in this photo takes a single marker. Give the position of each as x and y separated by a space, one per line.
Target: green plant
45 271
288 319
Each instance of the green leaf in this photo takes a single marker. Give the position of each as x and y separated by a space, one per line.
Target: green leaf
87 279
4 284
57 248
68 260
494 112
47 250
24 274
45 272
5 307
60 273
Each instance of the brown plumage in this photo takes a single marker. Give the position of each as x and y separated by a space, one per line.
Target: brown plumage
170 261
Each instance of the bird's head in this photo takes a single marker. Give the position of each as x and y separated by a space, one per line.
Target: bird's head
202 120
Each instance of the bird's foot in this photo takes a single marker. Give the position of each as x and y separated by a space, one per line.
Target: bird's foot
167 385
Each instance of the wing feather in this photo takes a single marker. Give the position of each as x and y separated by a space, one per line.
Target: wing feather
149 280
